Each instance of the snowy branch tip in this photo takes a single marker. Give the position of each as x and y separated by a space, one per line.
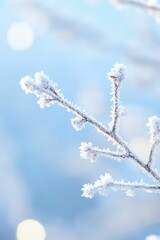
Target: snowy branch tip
78 123
42 87
48 93
106 182
154 129
88 152
117 73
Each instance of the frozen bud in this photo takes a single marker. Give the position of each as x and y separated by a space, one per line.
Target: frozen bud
130 193
87 152
45 102
42 80
105 180
117 73
101 185
88 191
78 123
27 84
40 85
36 85
154 128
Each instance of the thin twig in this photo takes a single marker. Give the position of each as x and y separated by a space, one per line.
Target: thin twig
153 147
44 88
115 109
110 134
106 182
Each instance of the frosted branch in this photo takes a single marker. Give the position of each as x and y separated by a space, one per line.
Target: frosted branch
116 75
48 94
154 130
88 152
78 123
106 182
44 88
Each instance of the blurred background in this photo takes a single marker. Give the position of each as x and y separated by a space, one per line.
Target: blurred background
41 173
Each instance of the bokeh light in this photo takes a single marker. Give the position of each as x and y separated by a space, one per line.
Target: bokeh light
152 237
30 230
20 36
76 43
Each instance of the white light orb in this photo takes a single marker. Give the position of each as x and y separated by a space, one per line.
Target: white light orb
20 36
153 237
30 230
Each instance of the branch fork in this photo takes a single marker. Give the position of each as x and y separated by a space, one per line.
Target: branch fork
48 94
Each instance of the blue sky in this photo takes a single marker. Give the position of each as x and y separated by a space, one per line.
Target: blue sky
75 43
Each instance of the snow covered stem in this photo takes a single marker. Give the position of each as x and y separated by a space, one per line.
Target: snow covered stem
106 182
154 129
116 76
48 94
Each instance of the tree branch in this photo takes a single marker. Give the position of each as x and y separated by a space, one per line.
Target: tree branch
48 93
106 182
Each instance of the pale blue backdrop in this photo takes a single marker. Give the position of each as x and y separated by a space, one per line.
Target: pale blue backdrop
41 172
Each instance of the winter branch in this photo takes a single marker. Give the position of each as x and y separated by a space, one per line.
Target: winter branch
106 182
48 94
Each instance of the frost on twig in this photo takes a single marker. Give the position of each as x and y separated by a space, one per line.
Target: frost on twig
106 182
78 123
42 87
116 75
154 129
48 94
152 6
88 152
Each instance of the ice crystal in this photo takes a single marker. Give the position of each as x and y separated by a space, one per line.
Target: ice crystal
87 152
154 128
117 73
47 92
78 123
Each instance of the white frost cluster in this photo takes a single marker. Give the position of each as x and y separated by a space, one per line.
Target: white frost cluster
78 123
42 87
99 186
88 191
36 85
45 102
106 182
152 237
130 193
117 73
87 152
154 129
48 94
